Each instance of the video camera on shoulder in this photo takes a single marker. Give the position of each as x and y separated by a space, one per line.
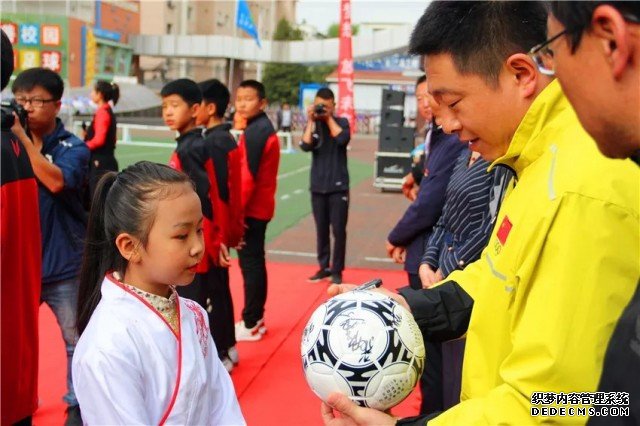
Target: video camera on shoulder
8 119
320 109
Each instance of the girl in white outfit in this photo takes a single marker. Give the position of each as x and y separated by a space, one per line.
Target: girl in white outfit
145 355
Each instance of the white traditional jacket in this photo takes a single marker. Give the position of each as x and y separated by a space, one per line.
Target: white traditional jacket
130 367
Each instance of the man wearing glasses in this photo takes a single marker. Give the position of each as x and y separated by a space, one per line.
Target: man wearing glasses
539 307
605 38
60 161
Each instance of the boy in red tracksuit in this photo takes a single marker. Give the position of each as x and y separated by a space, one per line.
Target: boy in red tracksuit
223 167
260 155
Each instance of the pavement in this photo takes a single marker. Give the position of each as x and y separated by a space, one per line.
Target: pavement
372 214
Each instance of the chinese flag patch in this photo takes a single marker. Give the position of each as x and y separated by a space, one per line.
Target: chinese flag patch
503 231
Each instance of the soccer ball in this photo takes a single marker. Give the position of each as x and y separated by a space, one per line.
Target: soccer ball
364 345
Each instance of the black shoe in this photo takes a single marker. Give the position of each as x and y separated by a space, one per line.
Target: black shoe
320 275
336 278
73 416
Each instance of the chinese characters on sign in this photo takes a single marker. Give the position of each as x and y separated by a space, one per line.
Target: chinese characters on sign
29 38
345 67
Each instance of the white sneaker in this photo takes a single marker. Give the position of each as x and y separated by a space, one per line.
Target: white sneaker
228 364
262 328
244 334
233 355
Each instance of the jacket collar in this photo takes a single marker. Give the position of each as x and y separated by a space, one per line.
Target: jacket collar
222 127
257 117
196 131
526 147
59 133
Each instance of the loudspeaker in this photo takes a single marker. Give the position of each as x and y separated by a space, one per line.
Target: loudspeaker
392 98
396 139
391 117
391 167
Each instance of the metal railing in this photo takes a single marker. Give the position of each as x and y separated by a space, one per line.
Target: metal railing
286 139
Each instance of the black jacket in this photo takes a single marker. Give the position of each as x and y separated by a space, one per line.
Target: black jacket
329 171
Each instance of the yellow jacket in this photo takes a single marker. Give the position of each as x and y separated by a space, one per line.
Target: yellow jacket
561 265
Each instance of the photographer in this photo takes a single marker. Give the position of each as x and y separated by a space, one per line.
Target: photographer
327 137
21 263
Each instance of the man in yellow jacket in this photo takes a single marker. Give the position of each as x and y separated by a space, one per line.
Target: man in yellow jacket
540 305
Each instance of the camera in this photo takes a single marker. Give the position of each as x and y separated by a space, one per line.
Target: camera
320 109
8 119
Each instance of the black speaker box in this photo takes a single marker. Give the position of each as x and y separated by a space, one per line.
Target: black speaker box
396 139
392 165
391 117
392 98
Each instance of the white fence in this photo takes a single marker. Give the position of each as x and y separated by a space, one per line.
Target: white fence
286 139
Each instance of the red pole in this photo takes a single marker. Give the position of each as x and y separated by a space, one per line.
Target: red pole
345 67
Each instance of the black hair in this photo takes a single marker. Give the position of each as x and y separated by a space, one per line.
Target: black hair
123 202
187 89
576 15
326 94
421 79
257 86
49 80
6 66
109 91
479 35
214 92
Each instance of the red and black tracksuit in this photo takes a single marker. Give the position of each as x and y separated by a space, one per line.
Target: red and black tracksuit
213 163
101 139
21 282
260 157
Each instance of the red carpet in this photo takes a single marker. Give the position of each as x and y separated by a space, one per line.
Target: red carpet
269 381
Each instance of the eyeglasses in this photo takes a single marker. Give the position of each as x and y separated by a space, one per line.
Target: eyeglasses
542 55
35 102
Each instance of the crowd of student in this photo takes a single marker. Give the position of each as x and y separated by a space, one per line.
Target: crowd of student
530 252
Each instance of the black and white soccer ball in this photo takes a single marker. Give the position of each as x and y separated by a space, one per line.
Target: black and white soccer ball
364 345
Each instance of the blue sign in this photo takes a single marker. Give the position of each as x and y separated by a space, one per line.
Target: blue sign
106 34
29 34
244 21
395 62
307 95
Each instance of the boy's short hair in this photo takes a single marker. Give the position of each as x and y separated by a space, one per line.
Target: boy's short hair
214 92
479 35
49 80
576 15
421 79
257 86
187 89
326 94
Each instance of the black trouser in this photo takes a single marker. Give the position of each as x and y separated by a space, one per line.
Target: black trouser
211 291
254 271
98 166
331 209
414 281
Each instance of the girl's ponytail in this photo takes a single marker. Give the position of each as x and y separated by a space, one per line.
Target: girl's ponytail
99 254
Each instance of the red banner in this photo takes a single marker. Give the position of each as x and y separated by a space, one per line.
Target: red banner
345 67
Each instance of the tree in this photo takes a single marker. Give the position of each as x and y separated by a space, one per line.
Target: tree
282 81
334 30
